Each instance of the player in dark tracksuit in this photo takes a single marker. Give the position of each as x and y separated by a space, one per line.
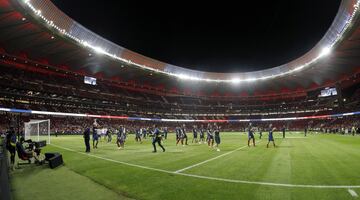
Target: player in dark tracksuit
165 132
271 137
195 134
156 138
217 136
251 135
109 135
11 146
178 133
210 136
143 130
202 134
183 130
121 136
138 135
87 140
283 131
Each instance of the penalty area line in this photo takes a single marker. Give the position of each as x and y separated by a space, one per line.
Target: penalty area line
214 178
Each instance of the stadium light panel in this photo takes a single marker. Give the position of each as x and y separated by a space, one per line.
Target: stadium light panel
250 79
187 77
183 76
235 81
325 51
99 50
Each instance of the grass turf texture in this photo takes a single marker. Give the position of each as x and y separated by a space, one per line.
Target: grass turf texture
314 160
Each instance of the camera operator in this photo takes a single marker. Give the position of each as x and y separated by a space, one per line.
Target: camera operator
30 150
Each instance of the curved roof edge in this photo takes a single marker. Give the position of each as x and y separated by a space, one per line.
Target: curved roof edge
47 12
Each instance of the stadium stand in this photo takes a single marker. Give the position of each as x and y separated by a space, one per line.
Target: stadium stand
26 89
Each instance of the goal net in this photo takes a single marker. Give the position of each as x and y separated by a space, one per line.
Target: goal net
37 130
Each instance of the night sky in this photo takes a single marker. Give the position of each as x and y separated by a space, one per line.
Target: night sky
218 36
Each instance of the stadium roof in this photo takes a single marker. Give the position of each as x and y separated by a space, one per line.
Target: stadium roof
38 30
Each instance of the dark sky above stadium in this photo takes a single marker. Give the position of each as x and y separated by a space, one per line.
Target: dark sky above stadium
217 36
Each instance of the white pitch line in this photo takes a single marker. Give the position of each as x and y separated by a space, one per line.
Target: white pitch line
211 159
111 160
353 193
215 178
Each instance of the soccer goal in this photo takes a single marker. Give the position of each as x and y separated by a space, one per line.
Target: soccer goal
37 130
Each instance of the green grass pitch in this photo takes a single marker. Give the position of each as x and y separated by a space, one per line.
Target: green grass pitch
315 167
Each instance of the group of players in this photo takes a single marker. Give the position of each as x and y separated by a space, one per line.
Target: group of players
121 135
271 129
212 132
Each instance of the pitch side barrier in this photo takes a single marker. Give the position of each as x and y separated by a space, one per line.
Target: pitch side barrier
13 110
4 172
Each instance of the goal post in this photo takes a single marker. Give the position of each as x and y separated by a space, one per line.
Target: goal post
37 130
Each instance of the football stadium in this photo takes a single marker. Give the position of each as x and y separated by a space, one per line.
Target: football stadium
82 117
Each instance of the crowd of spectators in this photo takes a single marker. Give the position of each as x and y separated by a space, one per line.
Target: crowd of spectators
30 90
76 125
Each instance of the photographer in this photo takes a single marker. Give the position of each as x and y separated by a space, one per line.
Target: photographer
11 146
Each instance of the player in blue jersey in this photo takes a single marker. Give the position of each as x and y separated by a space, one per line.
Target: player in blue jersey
251 135
95 134
156 135
271 137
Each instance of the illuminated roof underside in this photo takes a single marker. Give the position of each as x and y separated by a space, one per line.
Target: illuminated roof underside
56 19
